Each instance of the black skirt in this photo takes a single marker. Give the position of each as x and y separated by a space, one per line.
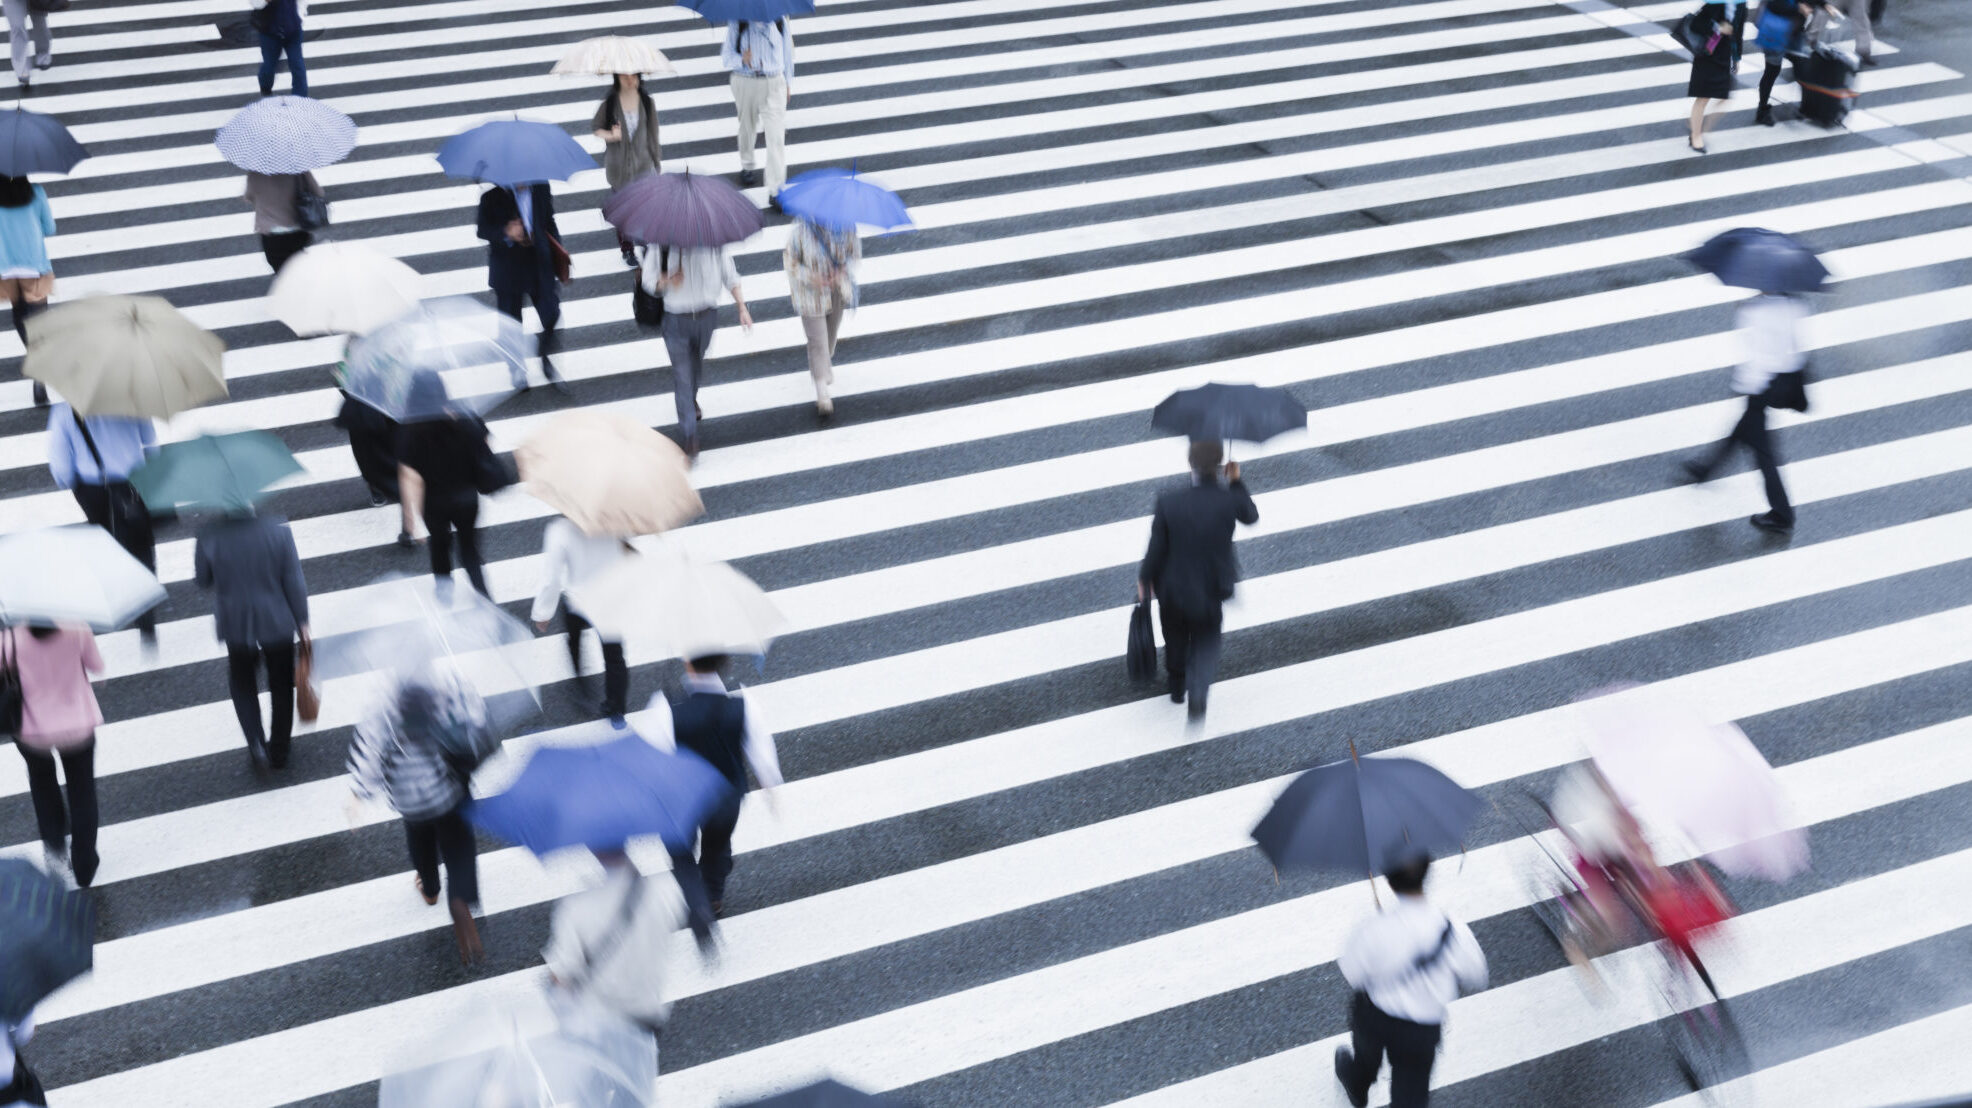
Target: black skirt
1711 74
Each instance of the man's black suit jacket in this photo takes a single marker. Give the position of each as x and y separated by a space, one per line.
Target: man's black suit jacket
1190 563
517 267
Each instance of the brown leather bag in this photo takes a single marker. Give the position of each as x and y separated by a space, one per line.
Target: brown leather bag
307 697
562 261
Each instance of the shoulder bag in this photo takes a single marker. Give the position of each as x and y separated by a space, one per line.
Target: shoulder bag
307 695
1788 390
122 500
311 209
262 18
13 701
490 472
646 305
558 255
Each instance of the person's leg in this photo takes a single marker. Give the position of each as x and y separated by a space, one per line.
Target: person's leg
1358 1064
678 346
816 329
691 883
279 659
547 305
421 838
1759 440
574 625
1768 76
79 767
461 854
1703 470
508 301
31 302
716 849
703 325
1697 121
746 107
1177 644
837 305
44 44
1412 1048
131 524
17 14
297 69
438 536
50 814
1202 664
270 54
465 518
616 680
1875 12
244 683
773 118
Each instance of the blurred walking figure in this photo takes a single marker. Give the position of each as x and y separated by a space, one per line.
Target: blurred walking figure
19 14
690 280
92 458
1781 30
23 1088
518 224
1407 964
726 731
400 752
1769 328
444 453
59 717
1861 15
568 556
276 217
373 442
1714 57
260 606
626 122
608 945
821 280
760 56
279 25
1191 570
26 276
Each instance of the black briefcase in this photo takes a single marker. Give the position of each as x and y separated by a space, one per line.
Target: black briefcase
1142 653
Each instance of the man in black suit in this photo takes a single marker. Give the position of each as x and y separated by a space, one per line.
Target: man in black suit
1191 570
518 224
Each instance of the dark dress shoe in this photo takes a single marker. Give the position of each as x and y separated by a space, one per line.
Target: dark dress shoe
748 178
40 395
257 754
1773 524
1345 1061
1177 696
1694 473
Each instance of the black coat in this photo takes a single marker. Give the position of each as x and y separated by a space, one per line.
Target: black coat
251 564
517 267
1190 563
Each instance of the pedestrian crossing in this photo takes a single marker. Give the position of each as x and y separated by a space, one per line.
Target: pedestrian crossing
1000 873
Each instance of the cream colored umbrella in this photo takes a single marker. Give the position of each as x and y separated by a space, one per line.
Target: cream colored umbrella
609 474
125 356
693 608
611 54
338 288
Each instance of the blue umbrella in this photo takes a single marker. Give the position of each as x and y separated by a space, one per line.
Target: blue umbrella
602 796
732 11
842 201
1216 412
286 134
1756 258
34 143
824 1094
50 936
1362 815
514 152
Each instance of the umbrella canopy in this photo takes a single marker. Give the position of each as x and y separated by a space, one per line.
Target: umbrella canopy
842 201
1672 766
1217 412
697 607
125 356
609 474
336 288
286 134
49 936
227 472
611 54
476 355
682 209
514 152
1756 258
1360 815
727 11
823 1094
603 796
34 143
591 1060
74 574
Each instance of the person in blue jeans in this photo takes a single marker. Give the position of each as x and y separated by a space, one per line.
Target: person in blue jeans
281 34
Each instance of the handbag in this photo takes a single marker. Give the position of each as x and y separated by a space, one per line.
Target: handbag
1141 654
262 18
307 696
47 5
1788 390
490 472
558 255
311 209
1691 32
647 306
13 701
1775 30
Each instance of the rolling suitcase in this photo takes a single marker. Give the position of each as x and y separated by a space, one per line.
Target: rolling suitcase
1827 78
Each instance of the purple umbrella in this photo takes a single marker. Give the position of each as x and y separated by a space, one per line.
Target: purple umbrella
682 209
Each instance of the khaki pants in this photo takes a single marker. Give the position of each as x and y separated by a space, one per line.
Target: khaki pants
821 330
762 103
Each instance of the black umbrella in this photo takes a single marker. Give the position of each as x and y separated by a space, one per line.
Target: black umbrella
1756 258
825 1094
47 937
1364 815
1215 413
34 143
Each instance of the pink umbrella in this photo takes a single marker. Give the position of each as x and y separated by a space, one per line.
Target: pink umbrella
1706 779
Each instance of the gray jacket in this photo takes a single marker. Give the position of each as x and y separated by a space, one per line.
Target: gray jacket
251 564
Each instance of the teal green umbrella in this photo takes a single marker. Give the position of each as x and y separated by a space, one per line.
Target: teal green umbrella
228 472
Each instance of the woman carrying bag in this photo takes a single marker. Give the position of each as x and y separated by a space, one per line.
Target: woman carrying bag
1712 34
626 122
1781 31
59 716
26 276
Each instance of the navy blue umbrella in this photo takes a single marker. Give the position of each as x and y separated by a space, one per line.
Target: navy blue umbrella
47 936
34 143
1215 413
1364 815
602 796
514 152
732 11
286 134
841 200
1756 258
682 209
824 1094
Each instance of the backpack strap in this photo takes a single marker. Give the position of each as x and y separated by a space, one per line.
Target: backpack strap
1430 957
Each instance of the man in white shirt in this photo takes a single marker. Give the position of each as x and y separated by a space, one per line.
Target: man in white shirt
1407 964
760 56
569 557
691 281
726 731
1769 326
609 945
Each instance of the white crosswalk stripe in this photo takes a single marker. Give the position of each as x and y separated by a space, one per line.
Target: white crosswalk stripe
1000 873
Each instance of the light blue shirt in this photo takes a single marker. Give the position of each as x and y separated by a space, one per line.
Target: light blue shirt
772 50
124 444
24 235
524 200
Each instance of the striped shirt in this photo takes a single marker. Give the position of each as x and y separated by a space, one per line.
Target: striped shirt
409 772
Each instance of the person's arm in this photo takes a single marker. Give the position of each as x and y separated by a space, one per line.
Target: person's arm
759 749
1467 961
787 59
729 276
554 571
61 447
729 55
293 585
491 227
598 125
366 749
1154 555
201 563
1353 959
1244 509
544 211
43 212
92 657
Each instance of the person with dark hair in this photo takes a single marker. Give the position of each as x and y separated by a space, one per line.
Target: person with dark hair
626 122
691 281
1783 35
444 453
726 731
760 56
26 277
518 225
1407 964
260 606
1191 569
93 459
1769 325
59 717
276 215
1713 63
19 14
281 34
569 557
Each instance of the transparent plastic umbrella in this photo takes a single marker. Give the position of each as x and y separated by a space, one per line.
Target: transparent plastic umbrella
590 1060
478 354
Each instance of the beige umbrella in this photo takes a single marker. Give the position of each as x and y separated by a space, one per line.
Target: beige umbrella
125 356
609 474
337 288
611 54
694 608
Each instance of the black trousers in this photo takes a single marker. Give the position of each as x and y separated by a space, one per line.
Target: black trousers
1411 1048
616 673
1191 652
442 517
118 509
546 295
1767 78
1751 432
447 838
71 826
702 873
242 662
280 247
1876 11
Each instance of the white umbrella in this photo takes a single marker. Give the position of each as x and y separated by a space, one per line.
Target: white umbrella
339 288
75 574
611 54
695 608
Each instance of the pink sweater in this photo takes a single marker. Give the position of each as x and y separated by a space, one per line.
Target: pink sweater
59 708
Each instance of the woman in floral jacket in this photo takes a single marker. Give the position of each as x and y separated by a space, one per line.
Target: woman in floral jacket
821 280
